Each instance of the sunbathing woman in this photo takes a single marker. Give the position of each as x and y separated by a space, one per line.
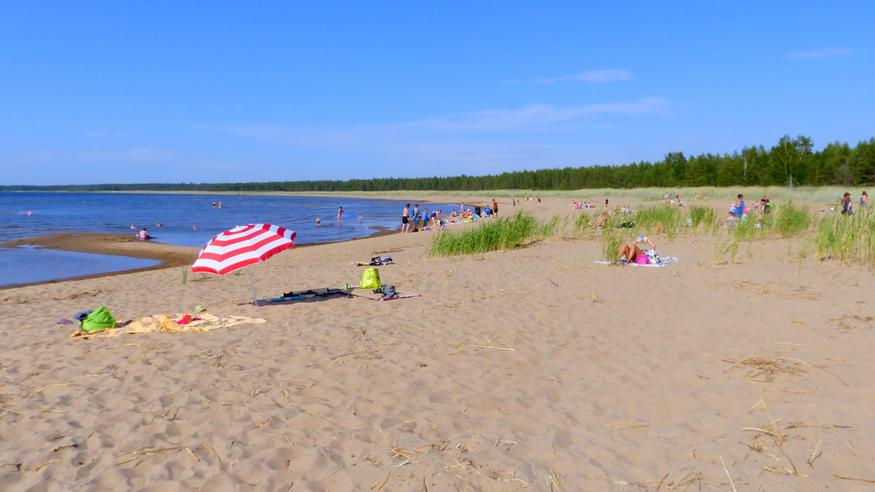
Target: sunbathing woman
601 221
629 252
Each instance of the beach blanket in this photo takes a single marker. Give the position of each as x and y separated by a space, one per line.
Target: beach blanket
304 295
162 323
663 262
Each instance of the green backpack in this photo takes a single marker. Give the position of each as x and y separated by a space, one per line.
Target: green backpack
100 319
370 279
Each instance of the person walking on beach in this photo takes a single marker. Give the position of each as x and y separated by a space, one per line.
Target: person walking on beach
405 219
494 208
340 214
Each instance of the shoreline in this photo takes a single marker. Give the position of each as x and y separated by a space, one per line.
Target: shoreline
105 244
114 244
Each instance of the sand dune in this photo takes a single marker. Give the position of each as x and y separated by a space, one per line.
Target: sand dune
529 369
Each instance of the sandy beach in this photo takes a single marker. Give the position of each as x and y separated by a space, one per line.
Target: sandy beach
531 369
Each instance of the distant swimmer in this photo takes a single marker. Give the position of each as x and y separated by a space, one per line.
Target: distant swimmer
340 214
194 227
134 227
318 221
28 213
157 224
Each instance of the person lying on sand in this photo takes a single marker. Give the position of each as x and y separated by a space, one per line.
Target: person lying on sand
636 251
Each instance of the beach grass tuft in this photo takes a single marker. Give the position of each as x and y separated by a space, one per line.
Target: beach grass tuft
612 240
659 220
583 223
790 220
847 238
703 216
498 234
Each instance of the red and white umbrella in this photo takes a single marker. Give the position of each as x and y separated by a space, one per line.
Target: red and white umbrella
242 246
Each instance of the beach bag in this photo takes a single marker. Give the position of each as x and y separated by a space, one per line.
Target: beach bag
100 319
370 279
653 258
388 292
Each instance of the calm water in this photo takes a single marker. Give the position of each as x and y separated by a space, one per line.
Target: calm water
178 216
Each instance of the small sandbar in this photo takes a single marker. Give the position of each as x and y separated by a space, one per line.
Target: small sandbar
63 256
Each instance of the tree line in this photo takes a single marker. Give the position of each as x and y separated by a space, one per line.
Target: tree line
792 161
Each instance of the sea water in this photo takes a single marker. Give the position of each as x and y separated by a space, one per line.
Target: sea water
185 219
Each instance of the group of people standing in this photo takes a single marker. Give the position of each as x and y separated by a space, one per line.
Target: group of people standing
433 218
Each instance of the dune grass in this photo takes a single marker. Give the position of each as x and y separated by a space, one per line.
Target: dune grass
493 235
611 243
659 220
702 216
849 239
790 220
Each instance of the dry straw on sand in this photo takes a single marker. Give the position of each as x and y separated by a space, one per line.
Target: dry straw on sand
764 369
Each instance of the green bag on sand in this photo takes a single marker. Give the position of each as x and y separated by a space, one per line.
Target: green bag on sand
100 319
370 278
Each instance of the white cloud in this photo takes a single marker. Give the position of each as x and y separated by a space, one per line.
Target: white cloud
529 118
535 134
821 53
534 116
592 77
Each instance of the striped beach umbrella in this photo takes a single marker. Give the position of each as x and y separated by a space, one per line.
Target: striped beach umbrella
242 246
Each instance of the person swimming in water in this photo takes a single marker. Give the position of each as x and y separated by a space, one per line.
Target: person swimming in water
318 221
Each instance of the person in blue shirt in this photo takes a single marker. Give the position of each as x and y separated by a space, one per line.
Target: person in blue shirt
738 210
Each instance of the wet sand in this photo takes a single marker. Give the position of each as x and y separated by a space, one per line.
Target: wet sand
531 369
109 244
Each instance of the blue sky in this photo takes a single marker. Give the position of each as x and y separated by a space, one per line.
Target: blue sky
95 92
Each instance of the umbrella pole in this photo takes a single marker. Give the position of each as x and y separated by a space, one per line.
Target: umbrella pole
252 287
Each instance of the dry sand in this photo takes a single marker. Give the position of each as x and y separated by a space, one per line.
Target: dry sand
530 369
